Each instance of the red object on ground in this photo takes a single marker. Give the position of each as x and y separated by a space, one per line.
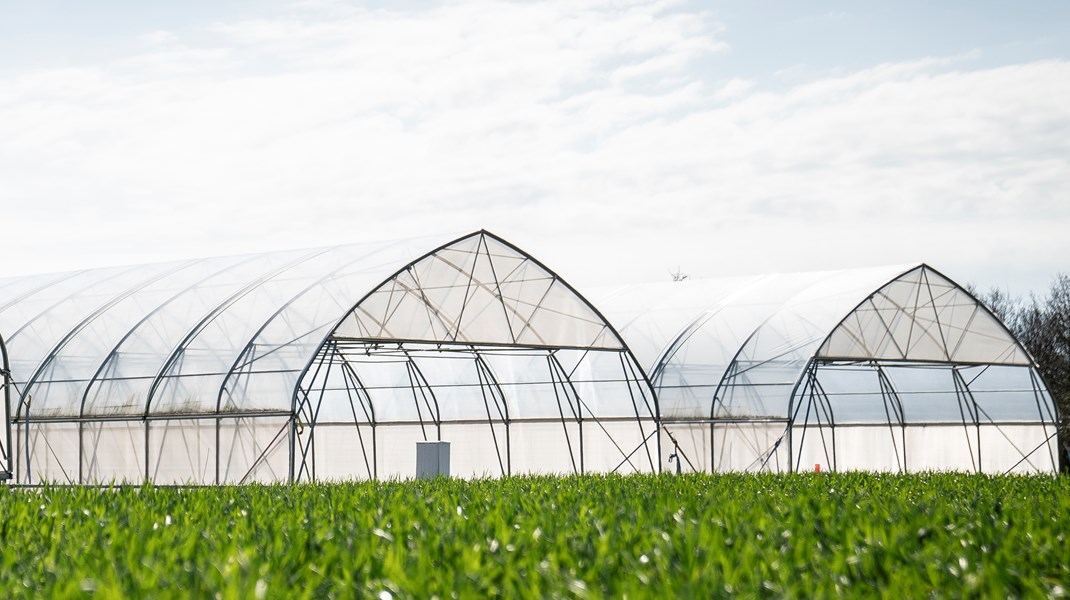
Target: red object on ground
817 467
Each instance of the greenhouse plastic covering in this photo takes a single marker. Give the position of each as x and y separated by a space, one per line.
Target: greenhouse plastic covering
332 363
894 368
245 368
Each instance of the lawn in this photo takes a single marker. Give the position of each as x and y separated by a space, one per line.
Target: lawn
584 536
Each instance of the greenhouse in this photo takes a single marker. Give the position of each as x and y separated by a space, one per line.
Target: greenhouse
336 363
889 369
320 364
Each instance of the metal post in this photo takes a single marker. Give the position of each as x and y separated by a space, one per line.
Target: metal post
9 450
26 418
147 449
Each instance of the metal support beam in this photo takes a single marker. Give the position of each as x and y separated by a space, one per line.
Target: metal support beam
6 450
894 406
564 423
967 406
499 395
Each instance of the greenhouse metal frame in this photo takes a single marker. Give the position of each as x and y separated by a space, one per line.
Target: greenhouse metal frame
320 364
887 369
333 363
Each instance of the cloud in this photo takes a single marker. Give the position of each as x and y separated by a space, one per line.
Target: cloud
600 135
734 88
158 38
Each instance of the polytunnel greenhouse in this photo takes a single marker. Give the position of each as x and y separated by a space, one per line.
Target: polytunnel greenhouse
888 369
320 364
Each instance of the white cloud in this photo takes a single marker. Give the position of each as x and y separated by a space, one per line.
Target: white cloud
734 88
158 38
596 134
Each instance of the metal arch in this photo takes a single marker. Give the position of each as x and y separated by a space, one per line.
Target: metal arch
492 379
482 232
7 451
293 421
41 288
577 414
689 330
96 282
965 400
791 413
58 347
252 339
115 350
483 371
894 405
122 271
417 381
215 312
369 413
743 346
309 466
830 418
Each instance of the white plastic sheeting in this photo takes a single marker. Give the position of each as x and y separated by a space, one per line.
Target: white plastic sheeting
841 368
161 339
201 371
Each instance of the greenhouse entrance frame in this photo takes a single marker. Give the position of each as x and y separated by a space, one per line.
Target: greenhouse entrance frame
812 411
574 416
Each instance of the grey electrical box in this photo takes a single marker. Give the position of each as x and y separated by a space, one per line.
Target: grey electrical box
432 459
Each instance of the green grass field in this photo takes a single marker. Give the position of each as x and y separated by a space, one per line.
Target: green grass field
641 536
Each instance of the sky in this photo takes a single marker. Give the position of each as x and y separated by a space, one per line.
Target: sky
615 140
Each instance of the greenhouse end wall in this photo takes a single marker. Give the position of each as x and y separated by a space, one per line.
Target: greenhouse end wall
894 368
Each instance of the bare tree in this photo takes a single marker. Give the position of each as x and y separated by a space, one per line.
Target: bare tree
1043 326
1008 308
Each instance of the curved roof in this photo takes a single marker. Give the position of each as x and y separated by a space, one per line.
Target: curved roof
172 338
737 347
